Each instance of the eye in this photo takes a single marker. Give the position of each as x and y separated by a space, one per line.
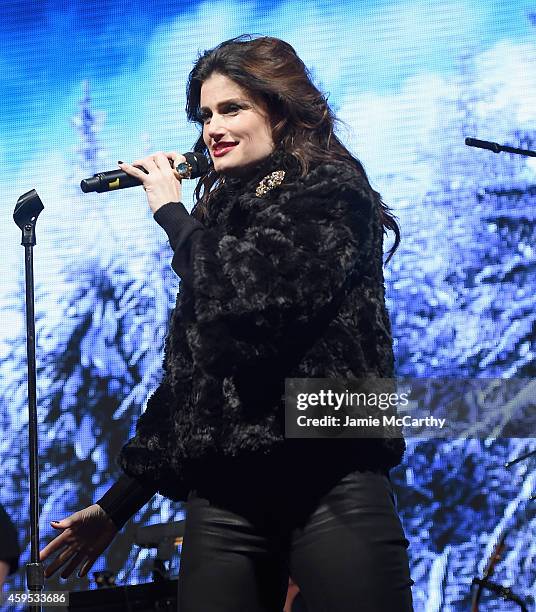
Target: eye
232 108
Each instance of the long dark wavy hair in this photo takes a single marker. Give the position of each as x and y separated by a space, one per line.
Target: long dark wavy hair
303 124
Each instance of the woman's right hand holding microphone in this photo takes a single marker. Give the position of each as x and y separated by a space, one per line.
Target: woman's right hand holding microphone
85 535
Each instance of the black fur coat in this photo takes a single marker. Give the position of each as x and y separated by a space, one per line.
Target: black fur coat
289 284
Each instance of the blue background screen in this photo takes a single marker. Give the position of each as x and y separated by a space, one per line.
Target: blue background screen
87 83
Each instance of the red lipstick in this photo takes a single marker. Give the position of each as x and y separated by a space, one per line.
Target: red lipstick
222 148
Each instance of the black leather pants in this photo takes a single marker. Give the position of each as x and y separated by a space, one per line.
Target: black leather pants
339 537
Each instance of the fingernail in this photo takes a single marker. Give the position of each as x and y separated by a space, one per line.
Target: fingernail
120 162
54 521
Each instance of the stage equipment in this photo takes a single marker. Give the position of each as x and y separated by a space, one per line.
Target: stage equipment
161 594
165 537
505 593
154 596
27 210
485 583
497 148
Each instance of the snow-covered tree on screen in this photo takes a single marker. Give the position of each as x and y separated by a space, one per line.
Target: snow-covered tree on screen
463 306
460 292
101 322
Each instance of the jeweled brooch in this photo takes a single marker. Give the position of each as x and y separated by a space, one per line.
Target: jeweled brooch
269 182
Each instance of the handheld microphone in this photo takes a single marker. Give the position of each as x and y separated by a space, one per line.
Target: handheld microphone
197 165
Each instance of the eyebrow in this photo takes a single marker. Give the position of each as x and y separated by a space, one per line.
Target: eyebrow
206 109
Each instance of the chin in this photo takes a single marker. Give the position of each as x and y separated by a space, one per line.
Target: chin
232 170
224 168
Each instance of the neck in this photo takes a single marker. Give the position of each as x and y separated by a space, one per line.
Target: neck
277 160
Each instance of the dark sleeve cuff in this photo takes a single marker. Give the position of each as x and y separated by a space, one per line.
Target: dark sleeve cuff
182 231
124 499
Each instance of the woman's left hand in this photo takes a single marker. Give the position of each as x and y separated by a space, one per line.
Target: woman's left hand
161 183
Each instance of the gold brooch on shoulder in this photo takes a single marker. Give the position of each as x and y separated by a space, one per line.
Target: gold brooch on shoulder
269 182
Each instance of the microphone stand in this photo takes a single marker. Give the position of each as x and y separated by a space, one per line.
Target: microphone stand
485 583
497 148
27 210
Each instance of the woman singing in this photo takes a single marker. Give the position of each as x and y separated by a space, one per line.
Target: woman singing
281 277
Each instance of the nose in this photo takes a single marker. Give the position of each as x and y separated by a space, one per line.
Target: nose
215 130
